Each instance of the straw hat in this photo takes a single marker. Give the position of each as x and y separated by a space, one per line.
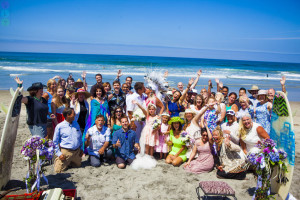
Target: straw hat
253 88
82 91
78 81
176 119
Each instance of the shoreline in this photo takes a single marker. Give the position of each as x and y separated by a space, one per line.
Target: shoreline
109 182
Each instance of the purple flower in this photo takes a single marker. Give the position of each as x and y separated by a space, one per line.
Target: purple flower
282 154
274 157
266 150
259 159
269 143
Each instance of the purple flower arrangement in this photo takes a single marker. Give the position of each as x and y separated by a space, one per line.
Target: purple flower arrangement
45 147
185 137
264 161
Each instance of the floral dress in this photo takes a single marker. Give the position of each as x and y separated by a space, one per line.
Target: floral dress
263 116
211 118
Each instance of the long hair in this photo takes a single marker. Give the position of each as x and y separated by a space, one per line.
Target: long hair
195 100
220 133
242 129
60 101
49 83
114 118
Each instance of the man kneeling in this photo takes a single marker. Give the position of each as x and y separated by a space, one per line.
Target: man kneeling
97 141
67 140
124 141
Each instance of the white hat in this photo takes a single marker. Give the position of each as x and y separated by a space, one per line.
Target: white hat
190 111
165 114
170 93
194 91
262 92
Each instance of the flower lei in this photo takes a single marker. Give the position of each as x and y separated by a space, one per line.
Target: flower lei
264 160
36 151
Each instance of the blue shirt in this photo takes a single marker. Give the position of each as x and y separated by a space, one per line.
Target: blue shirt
98 138
127 143
67 136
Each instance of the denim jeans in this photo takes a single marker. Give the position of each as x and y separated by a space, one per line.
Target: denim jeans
38 130
96 161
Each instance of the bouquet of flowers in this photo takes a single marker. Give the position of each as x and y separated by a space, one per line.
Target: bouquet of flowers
185 137
156 123
36 151
264 160
138 115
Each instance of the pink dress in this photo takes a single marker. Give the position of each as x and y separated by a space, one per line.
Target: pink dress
204 162
149 137
162 146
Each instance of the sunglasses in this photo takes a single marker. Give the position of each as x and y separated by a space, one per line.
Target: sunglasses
118 111
204 135
126 136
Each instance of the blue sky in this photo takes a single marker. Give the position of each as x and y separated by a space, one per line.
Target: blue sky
225 29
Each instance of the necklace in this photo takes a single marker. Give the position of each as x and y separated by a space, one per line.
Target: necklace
39 100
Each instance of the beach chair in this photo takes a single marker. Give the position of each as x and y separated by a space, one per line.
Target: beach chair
214 188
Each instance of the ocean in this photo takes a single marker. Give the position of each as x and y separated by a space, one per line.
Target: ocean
39 67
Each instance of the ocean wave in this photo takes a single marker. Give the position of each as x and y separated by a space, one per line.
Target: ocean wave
210 74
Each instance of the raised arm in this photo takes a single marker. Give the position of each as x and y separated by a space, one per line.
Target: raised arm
20 83
185 91
282 82
218 84
197 79
160 105
141 107
119 74
209 87
83 75
196 119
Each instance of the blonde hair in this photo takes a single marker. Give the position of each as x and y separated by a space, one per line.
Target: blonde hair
220 133
243 99
221 96
49 83
242 129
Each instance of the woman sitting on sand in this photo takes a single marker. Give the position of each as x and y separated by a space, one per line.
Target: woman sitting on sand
178 151
250 133
58 104
231 160
263 110
175 106
205 160
192 128
48 95
37 109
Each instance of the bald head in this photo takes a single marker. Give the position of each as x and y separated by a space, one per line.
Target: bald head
180 86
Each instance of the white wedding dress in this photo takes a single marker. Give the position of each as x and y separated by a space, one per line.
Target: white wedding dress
142 160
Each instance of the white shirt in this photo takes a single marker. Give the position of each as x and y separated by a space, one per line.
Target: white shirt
98 138
135 96
234 131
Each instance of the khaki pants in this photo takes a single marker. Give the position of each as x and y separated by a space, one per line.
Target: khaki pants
72 158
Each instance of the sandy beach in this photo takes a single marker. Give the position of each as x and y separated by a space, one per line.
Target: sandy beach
109 182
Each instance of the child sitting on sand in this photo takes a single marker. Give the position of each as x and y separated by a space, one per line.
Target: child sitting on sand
164 133
149 133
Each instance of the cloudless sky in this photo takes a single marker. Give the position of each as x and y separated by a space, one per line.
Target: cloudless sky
251 27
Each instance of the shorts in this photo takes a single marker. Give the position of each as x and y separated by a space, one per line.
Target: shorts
38 130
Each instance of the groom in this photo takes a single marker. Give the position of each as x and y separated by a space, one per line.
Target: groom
124 141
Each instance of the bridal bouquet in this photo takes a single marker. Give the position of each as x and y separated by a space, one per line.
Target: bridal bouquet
138 115
185 137
156 123
36 151
264 160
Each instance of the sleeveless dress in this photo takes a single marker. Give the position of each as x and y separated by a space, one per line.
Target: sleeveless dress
252 138
177 144
59 115
49 104
162 146
204 162
148 137
211 118
194 132
174 109
263 116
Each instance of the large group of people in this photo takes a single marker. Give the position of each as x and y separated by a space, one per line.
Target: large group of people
206 130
